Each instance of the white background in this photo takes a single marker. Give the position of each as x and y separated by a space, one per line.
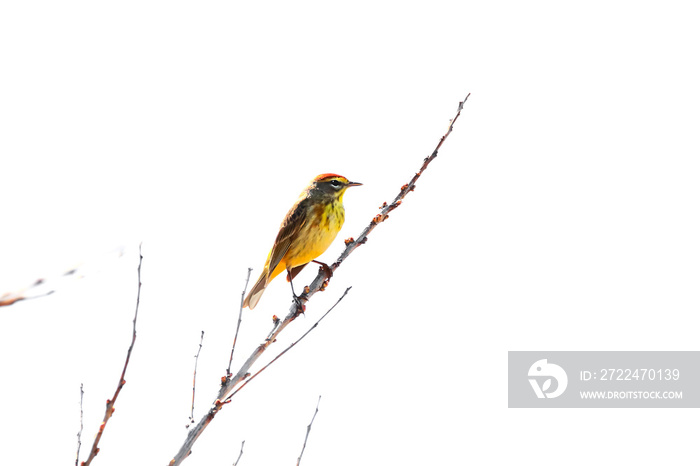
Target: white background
561 214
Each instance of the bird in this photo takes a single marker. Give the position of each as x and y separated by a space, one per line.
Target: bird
306 232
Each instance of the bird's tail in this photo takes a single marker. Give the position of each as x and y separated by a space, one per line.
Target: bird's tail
256 292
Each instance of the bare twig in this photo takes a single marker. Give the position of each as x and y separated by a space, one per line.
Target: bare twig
235 463
80 432
110 403
43 287
351 244
194 378
241 375
9 299
229 382
248 379
308 430
238 325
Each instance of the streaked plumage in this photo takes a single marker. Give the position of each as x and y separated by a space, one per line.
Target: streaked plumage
307 231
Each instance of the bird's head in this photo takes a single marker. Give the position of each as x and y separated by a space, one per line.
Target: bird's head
330 185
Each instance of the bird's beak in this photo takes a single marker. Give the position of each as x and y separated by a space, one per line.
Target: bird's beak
353 183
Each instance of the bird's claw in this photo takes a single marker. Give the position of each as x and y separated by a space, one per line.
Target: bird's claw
301 307
327 271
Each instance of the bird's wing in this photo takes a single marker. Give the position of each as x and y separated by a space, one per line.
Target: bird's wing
293 222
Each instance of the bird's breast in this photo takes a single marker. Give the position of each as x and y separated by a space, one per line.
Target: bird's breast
322 226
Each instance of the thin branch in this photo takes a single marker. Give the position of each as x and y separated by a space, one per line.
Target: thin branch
110 403
80 432
43 287
288 347
238 325
194 378
351 244
229 382
279 325
8 299
235 463
308 430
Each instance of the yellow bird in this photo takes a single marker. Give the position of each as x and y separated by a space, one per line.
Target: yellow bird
308 229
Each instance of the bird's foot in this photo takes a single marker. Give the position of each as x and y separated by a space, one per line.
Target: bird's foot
301 307
327 271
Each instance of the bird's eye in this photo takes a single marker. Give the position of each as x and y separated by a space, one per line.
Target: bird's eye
335 183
